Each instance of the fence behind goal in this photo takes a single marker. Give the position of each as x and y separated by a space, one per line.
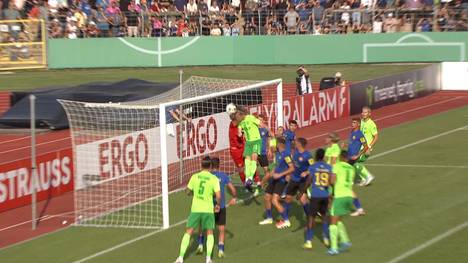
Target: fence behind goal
22 44
130 156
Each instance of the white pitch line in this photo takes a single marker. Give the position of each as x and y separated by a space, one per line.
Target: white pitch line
417 142
390 116
157 231
417 165
429 243
25 222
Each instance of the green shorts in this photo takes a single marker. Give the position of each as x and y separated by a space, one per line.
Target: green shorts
206 220
341 206
252 147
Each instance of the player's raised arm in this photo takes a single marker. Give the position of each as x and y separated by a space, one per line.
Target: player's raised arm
233 192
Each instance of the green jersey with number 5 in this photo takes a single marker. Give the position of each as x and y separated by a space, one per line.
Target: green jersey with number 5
203 185
344 179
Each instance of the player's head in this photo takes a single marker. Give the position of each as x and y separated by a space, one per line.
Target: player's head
206 163
232 116
215 163
263 118
319 155
279 131
344 156
332 137
355 123
366 112
301 143
292 125
241 113
280 143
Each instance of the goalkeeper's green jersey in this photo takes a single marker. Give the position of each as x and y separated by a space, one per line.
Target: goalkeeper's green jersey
345 173
369 129
250 126
203 185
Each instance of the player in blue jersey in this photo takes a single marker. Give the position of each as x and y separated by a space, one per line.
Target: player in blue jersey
301 159
357 146
290 135
318 181
220 217
276 183
265 134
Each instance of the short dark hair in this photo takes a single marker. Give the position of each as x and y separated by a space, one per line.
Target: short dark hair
319 154
206 162
280 140
302 141
262 117
356 119
242 110
344 155
215 162
292 122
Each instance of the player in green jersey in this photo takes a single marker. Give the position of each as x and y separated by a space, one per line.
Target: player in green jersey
203 186
341 203
333 150
253 143
369 129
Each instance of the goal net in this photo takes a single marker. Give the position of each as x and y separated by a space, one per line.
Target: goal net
22 44
130 156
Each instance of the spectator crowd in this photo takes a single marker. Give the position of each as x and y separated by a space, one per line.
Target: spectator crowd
145 18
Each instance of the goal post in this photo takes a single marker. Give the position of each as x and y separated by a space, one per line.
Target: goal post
128 155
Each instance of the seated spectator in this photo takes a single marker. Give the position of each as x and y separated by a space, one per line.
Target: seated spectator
412 4
390 24
424 25
215 30
180 5
214 8
92 30
226 29
56 29
72 29
291 20
85 7
317 30
377 25
236 29
339 81
155 7
112 8
181 26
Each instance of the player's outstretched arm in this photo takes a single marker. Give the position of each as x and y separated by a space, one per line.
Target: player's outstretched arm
233 192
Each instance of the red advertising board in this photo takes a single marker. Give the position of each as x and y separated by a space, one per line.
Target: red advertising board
54 173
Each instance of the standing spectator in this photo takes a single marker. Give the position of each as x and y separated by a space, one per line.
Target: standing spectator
291 19
424 25
145 15
345 16
132 20
81 21
1 10
236 29
412 4
155 7
134 6
180 5
377 25
317 13
214 8
102 22
280 9
85 7
215 30
56 29
116 20
112 8
191 8
303 81
355 5
72 29
157 27
390 24
181 26
226 29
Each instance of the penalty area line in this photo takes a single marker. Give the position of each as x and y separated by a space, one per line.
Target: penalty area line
429 243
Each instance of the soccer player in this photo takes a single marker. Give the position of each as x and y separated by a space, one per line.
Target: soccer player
333 150
301 159
236 147
357 146
341 203
369 128
203 186
318 182
290 135
276 183
253 144
264 152
220 217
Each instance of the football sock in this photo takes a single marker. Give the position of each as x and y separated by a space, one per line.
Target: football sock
247 169
334 237
357 203
242 176
309 234
184 244
342 234
284 215
253 169
287 207
306 209
268 213
325 230
362 171
221 246
209 245
200 240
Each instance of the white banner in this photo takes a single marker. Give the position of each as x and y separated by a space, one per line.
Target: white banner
455 76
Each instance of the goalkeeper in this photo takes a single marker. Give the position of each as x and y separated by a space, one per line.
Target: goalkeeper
253 145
